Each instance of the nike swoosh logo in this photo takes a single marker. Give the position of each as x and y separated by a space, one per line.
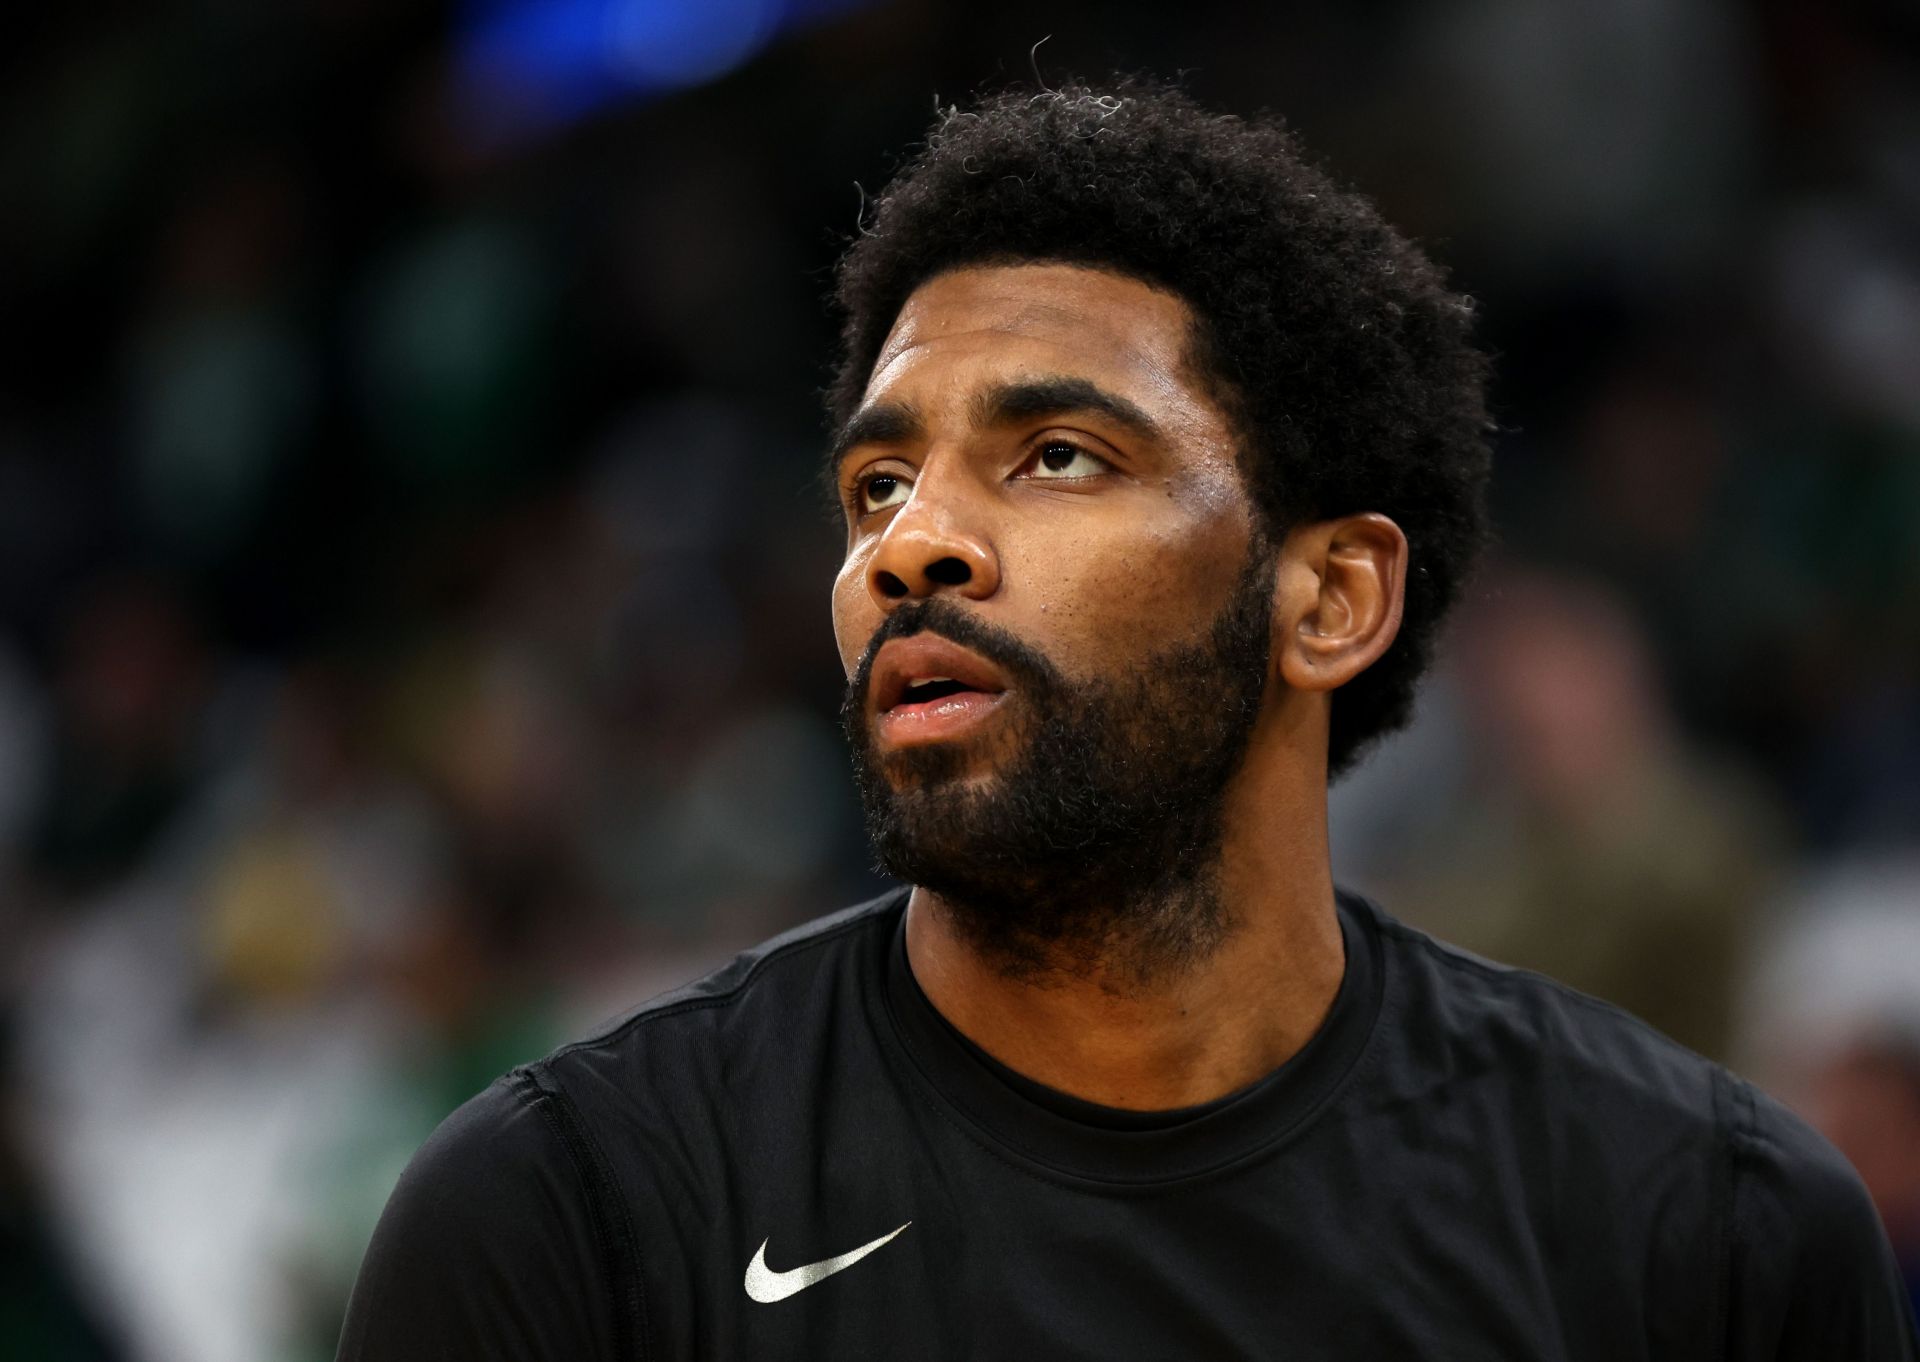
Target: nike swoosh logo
767 1286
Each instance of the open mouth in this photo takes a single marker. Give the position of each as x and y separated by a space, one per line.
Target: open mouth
933 688
938 709
928 689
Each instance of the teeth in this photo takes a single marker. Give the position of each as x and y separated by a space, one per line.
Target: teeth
928 680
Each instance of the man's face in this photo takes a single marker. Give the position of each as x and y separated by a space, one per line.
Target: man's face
1055 605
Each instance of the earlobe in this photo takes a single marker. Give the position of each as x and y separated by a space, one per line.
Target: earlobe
1338 599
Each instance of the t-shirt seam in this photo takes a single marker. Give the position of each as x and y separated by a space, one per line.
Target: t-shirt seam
1728 1098
633 1333
648 1013
1494 972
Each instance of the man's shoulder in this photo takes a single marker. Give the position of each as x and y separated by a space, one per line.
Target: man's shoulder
494 1223
808 985
534 1182
1811 1273
1549 1044
758 974
1645 1146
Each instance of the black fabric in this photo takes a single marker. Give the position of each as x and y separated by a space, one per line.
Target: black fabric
1467 1162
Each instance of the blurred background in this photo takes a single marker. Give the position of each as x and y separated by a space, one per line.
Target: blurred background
413 625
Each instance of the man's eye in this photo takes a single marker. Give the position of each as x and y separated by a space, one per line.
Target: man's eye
1058 459
881 491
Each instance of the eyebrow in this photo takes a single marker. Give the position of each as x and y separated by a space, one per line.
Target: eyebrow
1022 400
883 423
1003 404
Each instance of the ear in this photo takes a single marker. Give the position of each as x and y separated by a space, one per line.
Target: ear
1337 599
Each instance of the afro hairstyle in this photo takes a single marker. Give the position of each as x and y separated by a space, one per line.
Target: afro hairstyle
1342 360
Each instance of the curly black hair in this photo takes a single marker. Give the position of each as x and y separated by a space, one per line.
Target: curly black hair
1332 344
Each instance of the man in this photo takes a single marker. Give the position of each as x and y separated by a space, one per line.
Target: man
1161 458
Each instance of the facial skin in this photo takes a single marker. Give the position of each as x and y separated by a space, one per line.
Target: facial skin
1034 453
1145 537
1081 815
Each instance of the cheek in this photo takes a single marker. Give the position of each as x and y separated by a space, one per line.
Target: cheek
855 616
1140 588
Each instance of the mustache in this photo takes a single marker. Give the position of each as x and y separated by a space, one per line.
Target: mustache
1025 665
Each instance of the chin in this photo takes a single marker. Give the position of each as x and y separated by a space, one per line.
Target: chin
955 766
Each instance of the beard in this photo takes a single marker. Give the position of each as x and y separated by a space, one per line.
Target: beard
1094 849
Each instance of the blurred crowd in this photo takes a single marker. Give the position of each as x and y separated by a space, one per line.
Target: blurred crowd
413 628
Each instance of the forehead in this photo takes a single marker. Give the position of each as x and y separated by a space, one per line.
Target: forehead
984 322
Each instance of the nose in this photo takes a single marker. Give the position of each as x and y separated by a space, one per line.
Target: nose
934 543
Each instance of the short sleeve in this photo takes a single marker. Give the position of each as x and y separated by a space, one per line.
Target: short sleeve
1812 1275
490 1248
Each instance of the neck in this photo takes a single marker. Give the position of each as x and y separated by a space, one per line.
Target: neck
1106 1032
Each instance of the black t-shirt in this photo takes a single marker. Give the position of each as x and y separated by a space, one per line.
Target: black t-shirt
797 1157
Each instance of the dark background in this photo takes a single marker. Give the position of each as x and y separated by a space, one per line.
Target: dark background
413 624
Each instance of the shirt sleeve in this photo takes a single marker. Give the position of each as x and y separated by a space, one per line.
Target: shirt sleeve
491 1247
1812 1274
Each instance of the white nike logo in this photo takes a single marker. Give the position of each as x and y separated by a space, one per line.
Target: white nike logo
767 1286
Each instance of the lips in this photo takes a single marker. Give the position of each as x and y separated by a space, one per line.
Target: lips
925 669
926 689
